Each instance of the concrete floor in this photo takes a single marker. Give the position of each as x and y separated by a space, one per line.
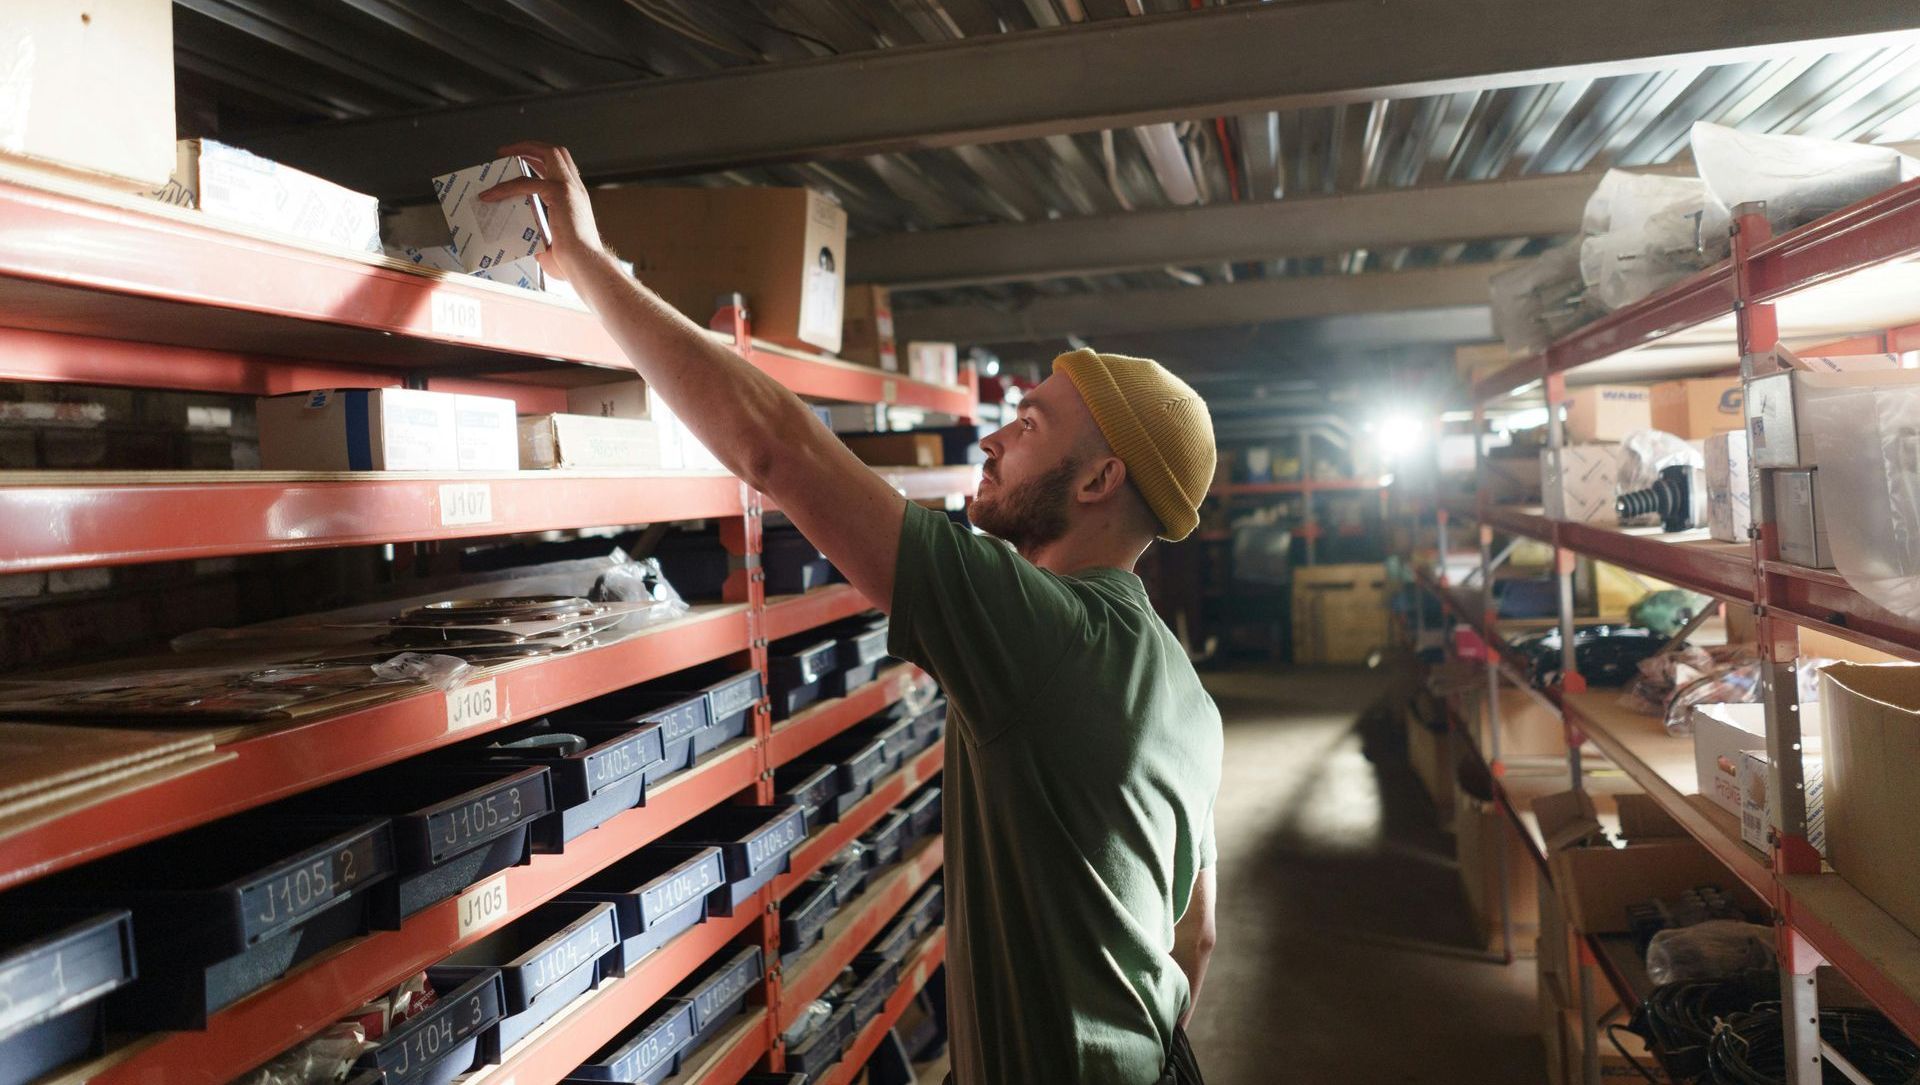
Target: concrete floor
1345 951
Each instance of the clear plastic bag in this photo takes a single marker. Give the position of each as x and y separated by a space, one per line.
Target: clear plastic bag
1716 949
1868 444
1646 232
1647 452
1541 300
630 581
443 672
328 1057
1799 178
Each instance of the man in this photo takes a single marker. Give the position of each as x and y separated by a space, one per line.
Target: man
1084 756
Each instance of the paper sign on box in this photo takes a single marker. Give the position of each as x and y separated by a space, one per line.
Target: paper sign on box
487 234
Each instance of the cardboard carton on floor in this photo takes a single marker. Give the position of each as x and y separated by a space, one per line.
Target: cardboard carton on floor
1433 758
87 89
1601 413
1871 725
1339 613
784 248
358 429
1480 829
239 187
866 330
1697 409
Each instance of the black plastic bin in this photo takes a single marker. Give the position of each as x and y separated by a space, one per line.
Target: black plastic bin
225 909
793 564
442 1041
811 787
805 912
897 736
825 1046
893 941
877 983
719 993
547 960
861 755
926 910
847 679
756 841
774 1079
680 715
453 825
730 695
602 774
848 869
56 966
931 723
798 661
862 639
887 839
645 1054
923 813
697 564
657 893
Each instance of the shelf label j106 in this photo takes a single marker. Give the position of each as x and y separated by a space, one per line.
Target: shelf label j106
473 704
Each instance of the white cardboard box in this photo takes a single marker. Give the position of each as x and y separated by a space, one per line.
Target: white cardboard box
88 88
1578 483
1800 518
525 274
616 399
580 440
486 434
1779 433
1723 734
683 449
236 186
936 363
1757 802
487 234
1729 496
358 429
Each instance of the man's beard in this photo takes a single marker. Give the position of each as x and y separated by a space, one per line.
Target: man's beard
1030 515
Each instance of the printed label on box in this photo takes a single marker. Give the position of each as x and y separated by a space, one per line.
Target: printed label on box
473 705
483 906
463 504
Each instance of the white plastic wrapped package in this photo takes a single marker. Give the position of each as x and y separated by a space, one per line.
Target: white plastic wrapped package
1868 444
1798 177
1646 232
1647 452
1540 300
1714 950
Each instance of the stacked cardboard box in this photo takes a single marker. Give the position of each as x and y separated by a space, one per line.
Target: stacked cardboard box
1339 613
88 90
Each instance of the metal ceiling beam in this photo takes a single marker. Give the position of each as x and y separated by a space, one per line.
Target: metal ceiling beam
1256 302
1114 73
1271 230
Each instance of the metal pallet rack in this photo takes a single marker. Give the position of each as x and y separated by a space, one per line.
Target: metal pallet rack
1844 283
102 289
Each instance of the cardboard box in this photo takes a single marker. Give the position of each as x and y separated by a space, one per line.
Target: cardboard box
1722 733
486 235
1758 809
1431 754
866 329
1872 743
616 399
898 449
580 440
1601 413
1729 492
485 433
1578 483
235 186
358 429
1779 433
89 94
1697 409
1480 830
1800 519
678 446
1339 613
784 248
935 363
1528 729
525 274
1598 881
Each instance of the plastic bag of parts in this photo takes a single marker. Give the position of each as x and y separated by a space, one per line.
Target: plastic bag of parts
811 1017
630 581
327 1057
1668 611
1713 950
1736 684
1540 300
1646 232
442 672
1798 177
1867 441
1647 452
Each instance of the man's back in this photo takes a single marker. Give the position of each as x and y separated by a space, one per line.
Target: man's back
1082 765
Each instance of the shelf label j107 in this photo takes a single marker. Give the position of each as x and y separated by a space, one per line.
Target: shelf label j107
465 503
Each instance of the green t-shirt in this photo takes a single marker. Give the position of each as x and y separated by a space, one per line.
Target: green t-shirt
1082 762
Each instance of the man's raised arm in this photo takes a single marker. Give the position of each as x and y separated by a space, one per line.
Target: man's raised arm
760 431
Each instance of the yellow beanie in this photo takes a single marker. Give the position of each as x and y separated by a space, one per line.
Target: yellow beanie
1156 424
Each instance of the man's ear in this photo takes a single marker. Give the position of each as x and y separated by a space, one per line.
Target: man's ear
1108 480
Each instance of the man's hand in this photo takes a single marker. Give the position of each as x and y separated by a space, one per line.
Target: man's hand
556 184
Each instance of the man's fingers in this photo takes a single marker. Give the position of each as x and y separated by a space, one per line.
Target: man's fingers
529 147
521 186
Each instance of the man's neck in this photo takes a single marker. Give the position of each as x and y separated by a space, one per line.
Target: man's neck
1092 546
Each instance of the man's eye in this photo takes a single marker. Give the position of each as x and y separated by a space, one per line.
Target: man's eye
1026 423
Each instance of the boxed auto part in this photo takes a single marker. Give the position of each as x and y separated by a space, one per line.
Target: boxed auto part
935 363
866 329
385 429
1871 727
1758 806
625 398
486 235
898 449
524 274
1800 521
647 1052
1578 483
91 96
719 990
784 248
1729 489
1779 431
57 966
1723 734
443 1040
1602 413
1656 860
588 441
233 185
547 960
1339 612
756 843
657 894
1696 409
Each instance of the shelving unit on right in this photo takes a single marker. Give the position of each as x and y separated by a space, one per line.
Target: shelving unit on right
1845 284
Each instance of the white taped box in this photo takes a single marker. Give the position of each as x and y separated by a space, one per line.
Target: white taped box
1779 430
87 89
488 234
358 429
1579 482
1729 490
486 433
236 186
525 274
580 440
1757 805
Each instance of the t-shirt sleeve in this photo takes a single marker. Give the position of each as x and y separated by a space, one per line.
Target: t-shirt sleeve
987 623
1209 851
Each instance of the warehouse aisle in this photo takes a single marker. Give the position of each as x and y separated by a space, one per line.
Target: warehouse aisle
1345 950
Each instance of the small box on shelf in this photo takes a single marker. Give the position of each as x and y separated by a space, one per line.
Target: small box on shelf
237 186
1800 519
1696 409
935 363
1871 717
486 235
1729 493
867 328
1600 413
1579 482
1758 804
581 440
898 449
90 96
